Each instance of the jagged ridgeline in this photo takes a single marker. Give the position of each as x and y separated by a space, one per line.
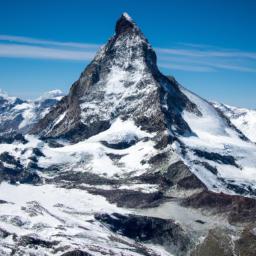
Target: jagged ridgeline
123 81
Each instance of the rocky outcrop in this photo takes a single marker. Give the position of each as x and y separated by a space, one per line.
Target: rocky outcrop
13 171
76 253
148 229
237 208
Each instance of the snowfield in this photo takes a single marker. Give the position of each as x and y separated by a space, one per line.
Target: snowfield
212 134
244 119
65 217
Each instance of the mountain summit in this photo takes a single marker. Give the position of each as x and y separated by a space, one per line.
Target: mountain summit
123 80
125 23
124 83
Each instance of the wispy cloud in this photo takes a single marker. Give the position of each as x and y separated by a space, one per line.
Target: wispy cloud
184 56
27 47
186 67
37 52
34 41
206 58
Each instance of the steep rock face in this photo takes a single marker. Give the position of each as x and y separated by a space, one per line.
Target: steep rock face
158 231
122 81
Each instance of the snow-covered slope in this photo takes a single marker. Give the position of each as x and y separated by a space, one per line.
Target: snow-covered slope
244 119
18 115
217 152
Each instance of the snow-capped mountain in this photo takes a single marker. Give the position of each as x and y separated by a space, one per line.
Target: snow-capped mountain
123 84
128 163
17 115
244 119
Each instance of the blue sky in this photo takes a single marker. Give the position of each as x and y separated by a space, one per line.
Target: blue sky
209 46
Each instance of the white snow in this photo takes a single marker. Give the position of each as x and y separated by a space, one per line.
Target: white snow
244 119
53 94
30 111
57 214
91 155
213 134
66 216
127 16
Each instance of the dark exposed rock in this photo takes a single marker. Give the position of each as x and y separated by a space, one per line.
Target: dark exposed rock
217 242
158 158
78 178
4 233
76 253
30 177
130 198
37 152
223 159
246 244
148 229
115 157
209 167
9 159
52 143
17 173
163 141
34 241
9 138
200 222
33 159
241 189
120 145
237 208
124 25
176 174
179 174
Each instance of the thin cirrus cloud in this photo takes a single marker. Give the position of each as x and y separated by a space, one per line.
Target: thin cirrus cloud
37 52
29 40
184 56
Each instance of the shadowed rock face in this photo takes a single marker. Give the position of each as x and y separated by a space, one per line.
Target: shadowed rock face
148 229
123 80
237 208
76 253
219 242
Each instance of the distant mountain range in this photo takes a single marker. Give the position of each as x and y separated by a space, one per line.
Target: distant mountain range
20 115
244 119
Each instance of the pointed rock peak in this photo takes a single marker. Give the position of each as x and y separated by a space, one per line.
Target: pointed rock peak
127 16
125 23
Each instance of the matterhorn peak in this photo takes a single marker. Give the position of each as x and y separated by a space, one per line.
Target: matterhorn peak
125 23
122 81
127 16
